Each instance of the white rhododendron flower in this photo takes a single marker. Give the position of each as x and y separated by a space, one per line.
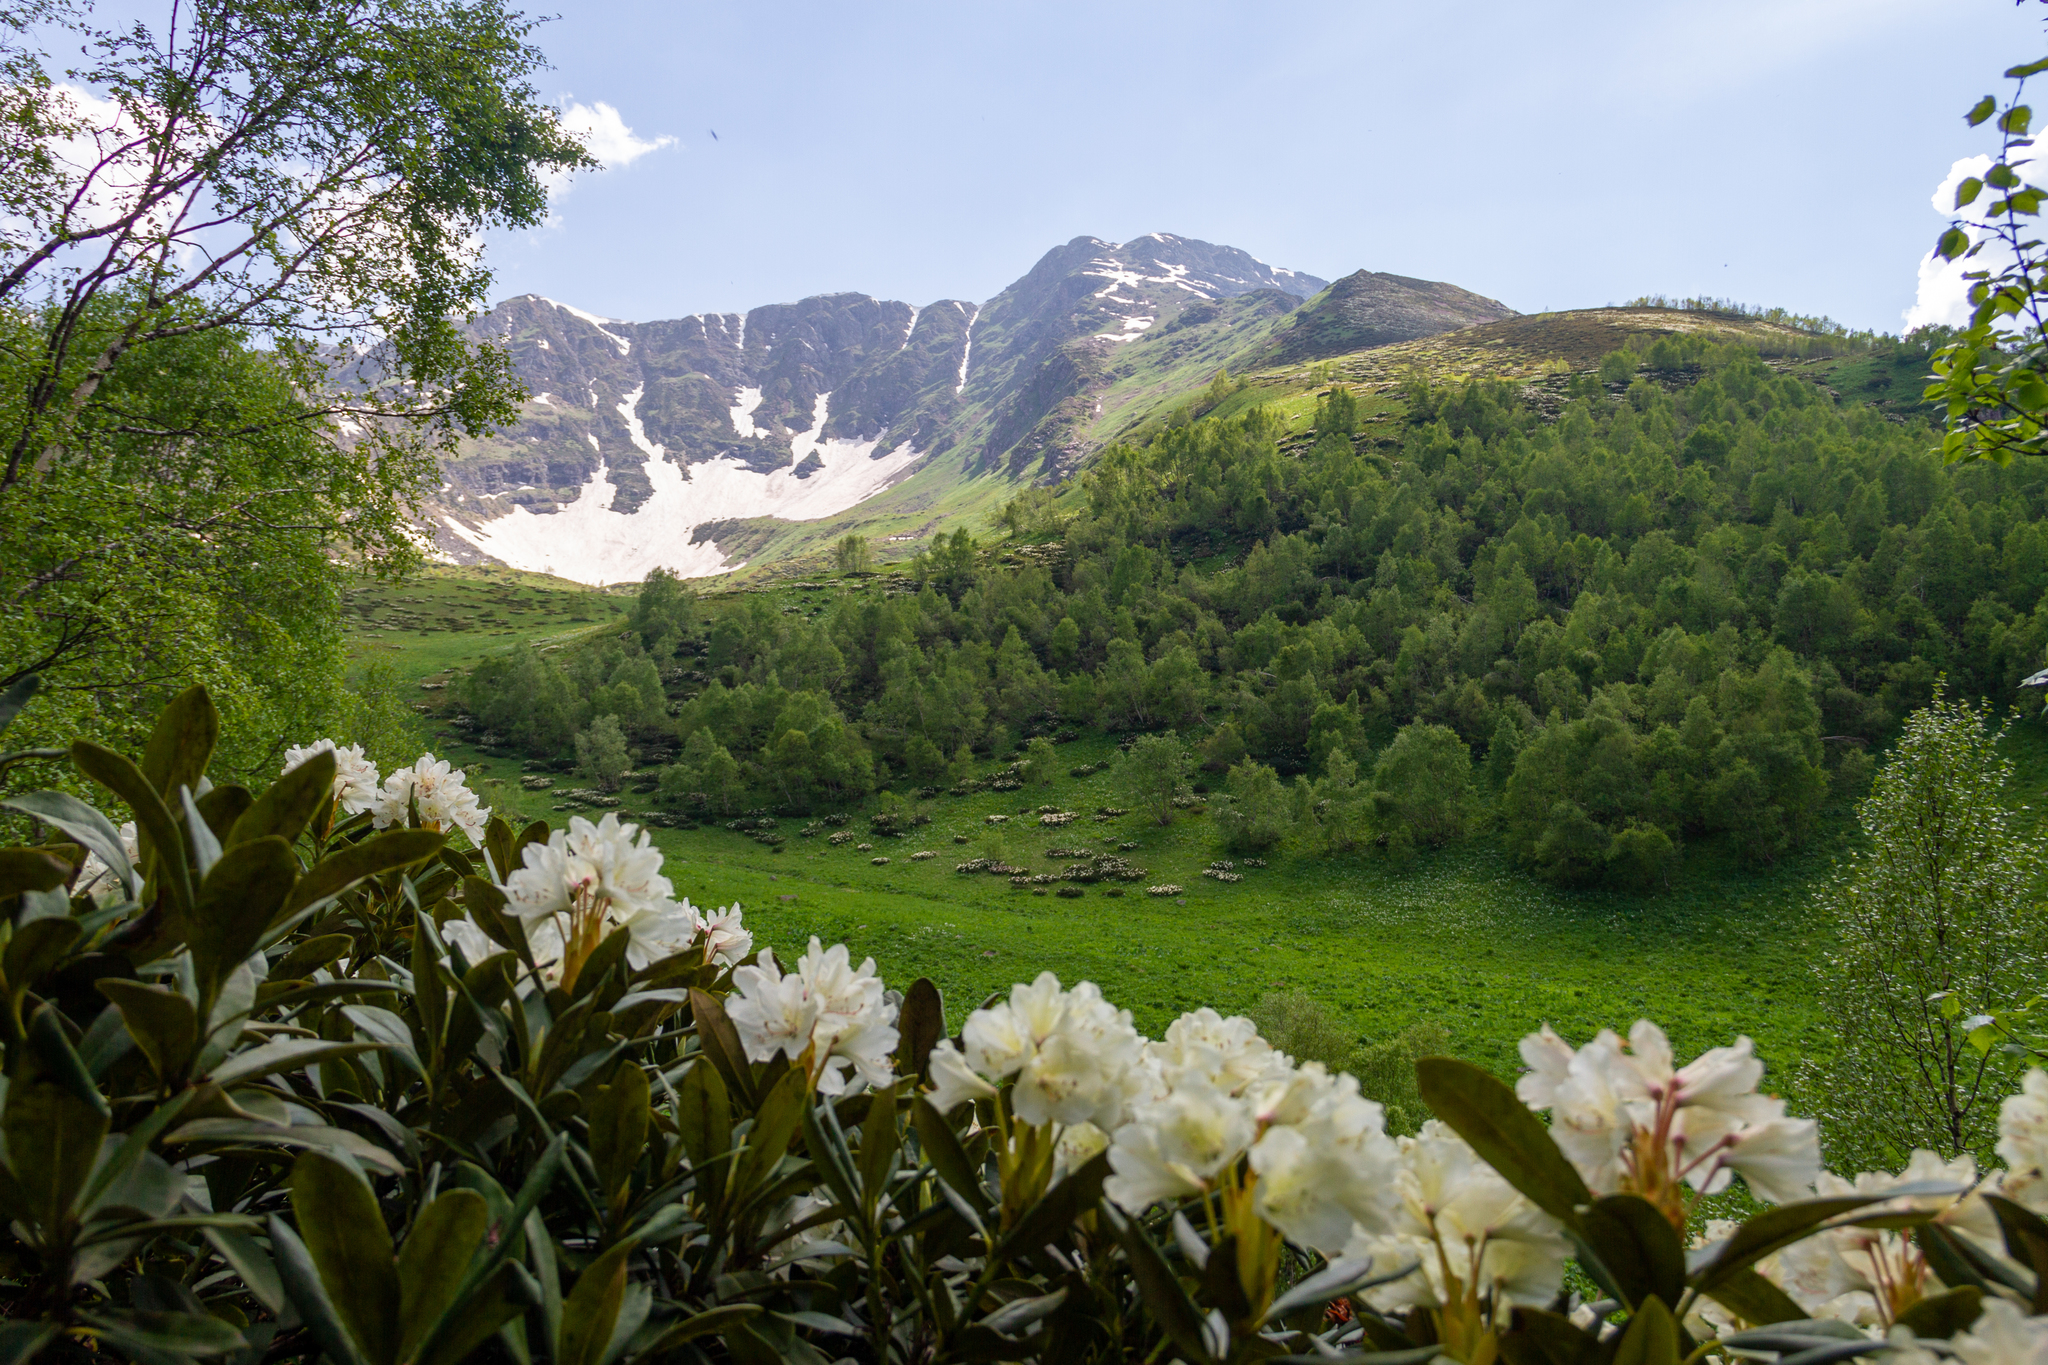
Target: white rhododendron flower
727 940
1078 1144
590 880
1228 1053
444 800
2023 1142
355 776
1629 1120
1070 1051
1176 1147
95 878
827 1008
1457 1218
1324 1162
2003 1334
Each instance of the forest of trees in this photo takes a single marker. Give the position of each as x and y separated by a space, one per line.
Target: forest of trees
1683 610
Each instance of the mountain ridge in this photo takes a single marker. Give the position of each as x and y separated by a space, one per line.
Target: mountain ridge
639 433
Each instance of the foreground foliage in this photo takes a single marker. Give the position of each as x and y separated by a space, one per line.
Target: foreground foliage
291 1075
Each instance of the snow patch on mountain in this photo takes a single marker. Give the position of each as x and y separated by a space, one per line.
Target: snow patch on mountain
967 350
743 413
588 542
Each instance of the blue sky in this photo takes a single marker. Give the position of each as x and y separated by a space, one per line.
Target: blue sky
1780 152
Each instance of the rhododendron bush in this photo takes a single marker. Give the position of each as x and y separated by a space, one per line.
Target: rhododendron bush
352 1068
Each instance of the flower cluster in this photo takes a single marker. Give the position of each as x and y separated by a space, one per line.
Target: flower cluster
1071 1056
355 776
827 1016
590 880
443 799
1631 1121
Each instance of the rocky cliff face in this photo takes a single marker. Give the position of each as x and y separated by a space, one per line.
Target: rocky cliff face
639 433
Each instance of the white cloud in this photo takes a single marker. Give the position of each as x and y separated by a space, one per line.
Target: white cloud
601 129
1943 296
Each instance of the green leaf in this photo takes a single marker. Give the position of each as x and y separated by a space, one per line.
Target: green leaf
703 1117
182 743
2014 121
309 955
303 1286
31 869
283 1054
1776 1228
618 1132
1967 192
1506 1135
480 1315
163 1023
236 902
720 1042
36 948
21 1342
16 697
1651 1337
135 1333
57 1061
826 1143
53 1139
2026 1240
155 830
1165 1300
920 1023
1636 1246
775 1123
336 873
1054 1214
1952 244
287 805
256 1270
345 1235
2020 73
941 1148
82 823
1943 1315
436 1257
881 1136
715 1321
1981 110
1754 1299
592 1308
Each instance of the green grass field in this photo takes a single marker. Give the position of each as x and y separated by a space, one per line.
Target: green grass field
449 618
1459 937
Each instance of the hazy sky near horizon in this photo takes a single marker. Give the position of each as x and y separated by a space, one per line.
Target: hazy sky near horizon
1779 152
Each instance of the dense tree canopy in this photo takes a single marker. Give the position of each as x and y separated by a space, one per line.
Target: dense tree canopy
1679 610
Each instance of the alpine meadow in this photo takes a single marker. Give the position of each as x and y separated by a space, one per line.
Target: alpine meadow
1182 811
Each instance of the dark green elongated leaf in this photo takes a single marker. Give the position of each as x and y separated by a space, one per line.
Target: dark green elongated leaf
310 1137
17 696
482 1313
618 1131
134 1146
538 1181
2026 1240
1755 1299
136 1333
716 1320
338 871
345 1235
1943 1315
592 1308
703 1117
1079 1191
826 1142
1540 1338
1957 1262
1780 1227
1506 1135
181 744
53 1139
237 900
880 1135
721 1044
942 1149
283 1054
1349 1275
287 995
84 824
920 1023
1651 1337
256 1270
58 1062
775 1123
1165 1301
1787 1337
1014 1316
287 805
1637 1246
21 1342
309 955
155 830
31 869
222 808
302 1285
434 1260
36 947
1221 1287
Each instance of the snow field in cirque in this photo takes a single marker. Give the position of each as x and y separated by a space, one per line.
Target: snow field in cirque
590 543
